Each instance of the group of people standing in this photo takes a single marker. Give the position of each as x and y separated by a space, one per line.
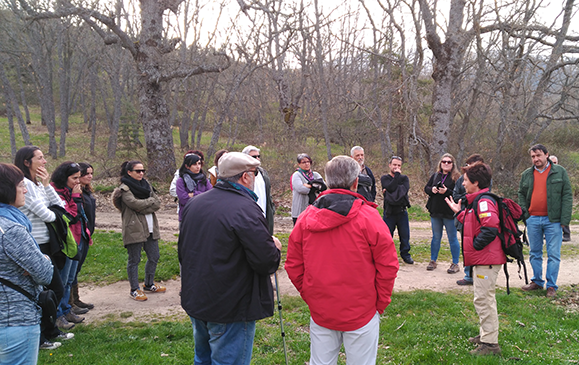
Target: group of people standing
226 285
33 202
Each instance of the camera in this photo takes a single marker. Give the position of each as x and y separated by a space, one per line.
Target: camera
439 185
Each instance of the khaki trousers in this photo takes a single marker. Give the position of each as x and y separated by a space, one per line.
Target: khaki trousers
485 302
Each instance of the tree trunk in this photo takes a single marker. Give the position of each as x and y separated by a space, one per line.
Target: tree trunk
154 113
22 92
12 106
64 89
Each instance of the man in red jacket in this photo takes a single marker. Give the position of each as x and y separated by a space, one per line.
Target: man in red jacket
342 260
483 251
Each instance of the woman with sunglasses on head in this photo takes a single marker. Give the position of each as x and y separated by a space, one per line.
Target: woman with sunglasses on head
89 209
439 187
23 265
137 201
192 180
38 197
304 185
65 181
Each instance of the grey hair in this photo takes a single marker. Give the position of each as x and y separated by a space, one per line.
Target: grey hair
234 178
249 148
341 172
354 149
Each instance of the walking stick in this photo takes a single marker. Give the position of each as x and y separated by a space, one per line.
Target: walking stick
280 318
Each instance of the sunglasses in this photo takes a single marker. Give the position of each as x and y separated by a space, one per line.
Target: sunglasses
255 172
446 162
256 156
139 171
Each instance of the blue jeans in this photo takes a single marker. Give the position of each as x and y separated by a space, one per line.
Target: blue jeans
437 224
468 274
400 220
223 343
19 345
67 274
537 227
82 257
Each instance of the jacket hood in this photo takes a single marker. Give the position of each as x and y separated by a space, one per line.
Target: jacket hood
471 197
334 208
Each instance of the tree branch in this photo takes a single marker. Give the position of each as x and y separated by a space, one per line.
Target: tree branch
186 72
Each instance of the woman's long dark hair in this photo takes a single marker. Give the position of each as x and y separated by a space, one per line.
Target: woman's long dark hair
62 172
84 166
26 153
189 160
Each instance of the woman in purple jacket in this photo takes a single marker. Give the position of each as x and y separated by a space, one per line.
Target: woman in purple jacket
192 180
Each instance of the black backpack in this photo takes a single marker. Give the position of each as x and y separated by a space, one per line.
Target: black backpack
511 237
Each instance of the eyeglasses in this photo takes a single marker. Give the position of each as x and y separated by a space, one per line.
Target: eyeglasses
255 172
256 156
446 162
21 185
139 171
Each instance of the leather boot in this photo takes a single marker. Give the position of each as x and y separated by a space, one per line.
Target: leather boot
73 307
76 299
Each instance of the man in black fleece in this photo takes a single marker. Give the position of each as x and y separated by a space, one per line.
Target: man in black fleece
395 188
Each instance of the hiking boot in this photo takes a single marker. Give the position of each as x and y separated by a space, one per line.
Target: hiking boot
155 288
73 318
431 265
64 336
138 295
78 310
63 324
76 299
408 260
463 282
47 345
475 339
487 349
551 292
453 269
531 286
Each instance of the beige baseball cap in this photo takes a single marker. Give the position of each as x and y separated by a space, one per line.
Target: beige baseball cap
233 163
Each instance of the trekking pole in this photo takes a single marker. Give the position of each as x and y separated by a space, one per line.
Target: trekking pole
280 318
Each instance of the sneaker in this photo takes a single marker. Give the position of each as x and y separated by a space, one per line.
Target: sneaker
138 295
63 324
408 260
551 292
453 269
64 336
155 288
531 286
78 310
463 282
47 345
73 318
487 349
431 265
475 339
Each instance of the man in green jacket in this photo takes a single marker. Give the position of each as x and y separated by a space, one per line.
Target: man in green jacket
547 201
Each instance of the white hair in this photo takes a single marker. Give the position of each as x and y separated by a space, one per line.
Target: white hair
341 172
354 149
249 148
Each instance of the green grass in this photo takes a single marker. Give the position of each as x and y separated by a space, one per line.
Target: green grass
106 262
420 327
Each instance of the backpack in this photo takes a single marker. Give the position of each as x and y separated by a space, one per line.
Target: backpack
509 233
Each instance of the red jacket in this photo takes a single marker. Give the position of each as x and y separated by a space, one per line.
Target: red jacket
480 242
342 260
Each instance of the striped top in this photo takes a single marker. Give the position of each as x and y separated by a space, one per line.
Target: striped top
38 199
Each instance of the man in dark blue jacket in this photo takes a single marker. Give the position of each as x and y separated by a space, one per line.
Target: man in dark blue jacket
227 256
366 179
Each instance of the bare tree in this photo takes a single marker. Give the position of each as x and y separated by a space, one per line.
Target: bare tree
149 52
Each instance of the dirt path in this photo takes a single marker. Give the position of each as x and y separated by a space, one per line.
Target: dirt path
112 301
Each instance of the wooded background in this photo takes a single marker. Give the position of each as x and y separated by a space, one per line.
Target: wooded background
415 78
